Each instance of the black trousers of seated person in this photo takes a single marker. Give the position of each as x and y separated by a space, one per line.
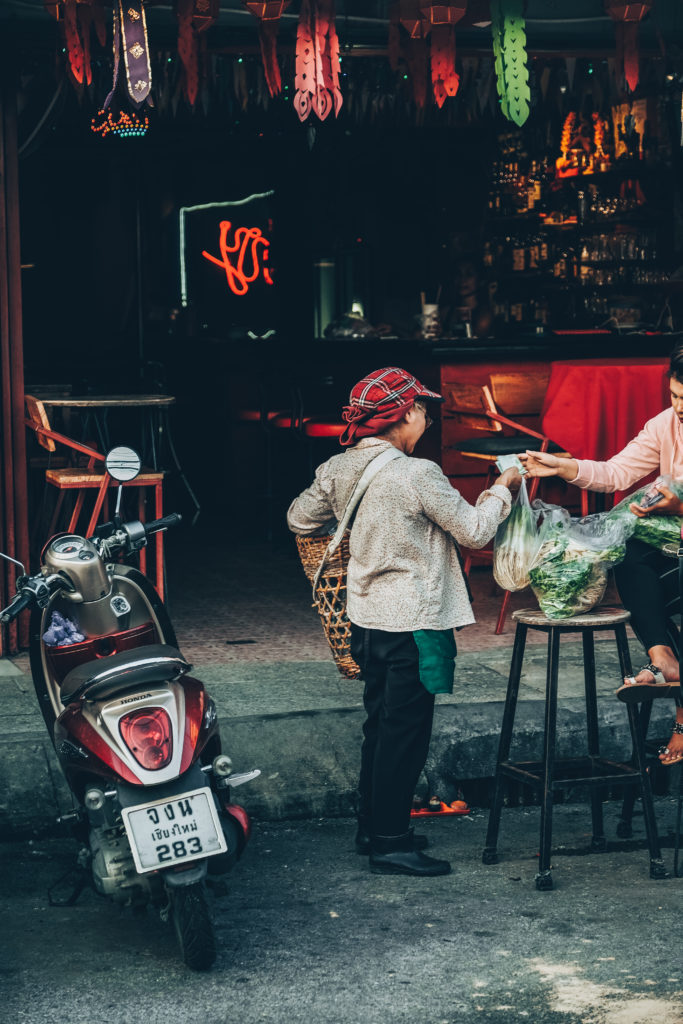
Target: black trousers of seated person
643 592
397 729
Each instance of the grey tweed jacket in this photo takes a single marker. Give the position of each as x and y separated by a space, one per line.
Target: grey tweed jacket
404 573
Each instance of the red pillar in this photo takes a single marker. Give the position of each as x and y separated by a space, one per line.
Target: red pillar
14 503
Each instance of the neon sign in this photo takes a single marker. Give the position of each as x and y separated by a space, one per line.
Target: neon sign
230 208
247 246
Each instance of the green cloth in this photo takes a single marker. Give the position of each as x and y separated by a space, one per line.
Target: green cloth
436 653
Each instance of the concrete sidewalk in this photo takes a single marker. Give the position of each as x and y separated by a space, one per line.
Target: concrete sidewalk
300 723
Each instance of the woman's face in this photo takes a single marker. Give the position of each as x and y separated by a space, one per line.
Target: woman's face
676 390
467 279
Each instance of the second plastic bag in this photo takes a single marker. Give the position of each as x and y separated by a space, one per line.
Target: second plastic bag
569 573
655 530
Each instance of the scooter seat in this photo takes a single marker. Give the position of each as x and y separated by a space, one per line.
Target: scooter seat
155 663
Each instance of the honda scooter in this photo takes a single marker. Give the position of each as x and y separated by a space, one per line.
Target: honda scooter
135 734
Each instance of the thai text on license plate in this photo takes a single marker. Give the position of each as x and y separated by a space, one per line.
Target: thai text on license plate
167 832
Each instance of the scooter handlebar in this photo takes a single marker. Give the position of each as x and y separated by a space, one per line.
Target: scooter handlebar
173 519
21 601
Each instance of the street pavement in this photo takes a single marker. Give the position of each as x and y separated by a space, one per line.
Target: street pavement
307 933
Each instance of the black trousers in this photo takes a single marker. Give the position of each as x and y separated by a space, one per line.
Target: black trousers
643 592
397 729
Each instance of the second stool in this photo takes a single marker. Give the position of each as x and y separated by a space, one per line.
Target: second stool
591 770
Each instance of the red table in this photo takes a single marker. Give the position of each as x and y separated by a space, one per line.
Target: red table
593 407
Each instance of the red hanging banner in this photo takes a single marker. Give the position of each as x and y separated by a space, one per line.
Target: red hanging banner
76 18
627 17
317 61
194 16
269 14
423 19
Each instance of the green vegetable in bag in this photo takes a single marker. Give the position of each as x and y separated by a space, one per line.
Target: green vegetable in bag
656 530
569 574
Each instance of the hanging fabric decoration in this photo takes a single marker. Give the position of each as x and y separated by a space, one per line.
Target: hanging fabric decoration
130 37
194 17
76 18
509 51
410 16
317 61
441 19
269 14
627 17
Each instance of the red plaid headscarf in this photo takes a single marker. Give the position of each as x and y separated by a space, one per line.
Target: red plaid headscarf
379 400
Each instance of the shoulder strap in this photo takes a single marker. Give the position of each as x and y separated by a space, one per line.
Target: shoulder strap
368 474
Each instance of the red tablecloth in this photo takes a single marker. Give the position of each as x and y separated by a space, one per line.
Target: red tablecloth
593 407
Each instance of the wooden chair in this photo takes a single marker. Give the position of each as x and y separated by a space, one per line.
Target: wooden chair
488 409
92 477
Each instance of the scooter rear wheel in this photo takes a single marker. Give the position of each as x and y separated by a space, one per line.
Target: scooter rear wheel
193 926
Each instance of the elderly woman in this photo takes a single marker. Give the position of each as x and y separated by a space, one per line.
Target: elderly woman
405 595
658 447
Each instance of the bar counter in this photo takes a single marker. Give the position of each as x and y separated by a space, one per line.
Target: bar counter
314 377
340 352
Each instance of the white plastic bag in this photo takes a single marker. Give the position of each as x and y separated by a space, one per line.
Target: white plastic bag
516 544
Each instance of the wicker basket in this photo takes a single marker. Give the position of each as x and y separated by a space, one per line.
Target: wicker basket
330 597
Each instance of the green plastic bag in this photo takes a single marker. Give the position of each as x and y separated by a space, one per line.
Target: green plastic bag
656 530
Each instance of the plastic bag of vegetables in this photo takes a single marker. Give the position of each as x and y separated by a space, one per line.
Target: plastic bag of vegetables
656 530
569 574
516 544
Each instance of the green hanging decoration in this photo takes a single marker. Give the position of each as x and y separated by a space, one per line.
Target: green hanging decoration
509 51
497 24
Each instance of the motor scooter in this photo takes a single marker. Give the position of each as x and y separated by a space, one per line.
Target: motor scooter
135 734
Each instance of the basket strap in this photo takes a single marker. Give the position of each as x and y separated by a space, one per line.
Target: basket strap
369 473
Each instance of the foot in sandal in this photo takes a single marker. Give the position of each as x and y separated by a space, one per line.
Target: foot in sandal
672 753
657 679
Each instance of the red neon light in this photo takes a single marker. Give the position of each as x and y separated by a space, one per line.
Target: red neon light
246 243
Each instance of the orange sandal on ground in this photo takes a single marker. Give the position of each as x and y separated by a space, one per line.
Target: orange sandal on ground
633 692
672 758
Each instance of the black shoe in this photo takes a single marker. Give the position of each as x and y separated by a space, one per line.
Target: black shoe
364 843
398 856
410 862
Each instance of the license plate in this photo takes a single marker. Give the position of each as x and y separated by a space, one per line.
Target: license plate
163 833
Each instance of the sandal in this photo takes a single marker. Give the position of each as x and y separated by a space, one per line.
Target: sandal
673 758
633 693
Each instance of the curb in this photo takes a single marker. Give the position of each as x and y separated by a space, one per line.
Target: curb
309 759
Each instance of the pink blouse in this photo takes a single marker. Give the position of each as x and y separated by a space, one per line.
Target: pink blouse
658 446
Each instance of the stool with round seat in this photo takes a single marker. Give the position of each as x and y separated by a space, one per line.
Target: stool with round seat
592 770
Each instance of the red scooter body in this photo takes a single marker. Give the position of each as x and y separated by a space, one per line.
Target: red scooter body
136 735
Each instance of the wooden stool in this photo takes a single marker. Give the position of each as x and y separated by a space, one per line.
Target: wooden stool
591 770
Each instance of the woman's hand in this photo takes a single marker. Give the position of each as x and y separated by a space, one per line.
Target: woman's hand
545 464
510 478
670 505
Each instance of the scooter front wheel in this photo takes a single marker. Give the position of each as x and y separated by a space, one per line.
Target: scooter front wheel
193 926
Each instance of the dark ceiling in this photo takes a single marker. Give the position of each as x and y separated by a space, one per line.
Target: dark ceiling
552 25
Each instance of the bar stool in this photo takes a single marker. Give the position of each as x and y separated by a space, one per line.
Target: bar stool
553 773
81 479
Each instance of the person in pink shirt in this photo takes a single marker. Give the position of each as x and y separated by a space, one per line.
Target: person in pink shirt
658 447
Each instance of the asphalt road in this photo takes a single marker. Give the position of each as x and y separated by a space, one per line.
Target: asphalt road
307 933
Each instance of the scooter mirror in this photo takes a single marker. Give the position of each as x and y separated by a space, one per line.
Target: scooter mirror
123 463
